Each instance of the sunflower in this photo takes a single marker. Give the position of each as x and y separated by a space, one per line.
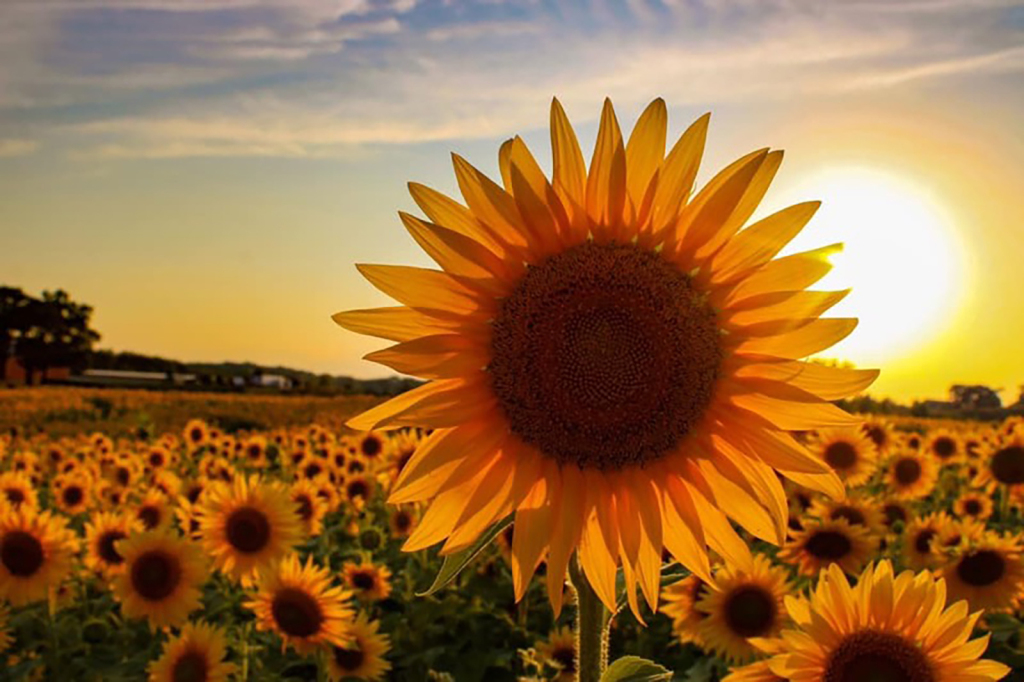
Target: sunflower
1004 463
157 457
822 543
17 489
167 482
880 433
162 577
988 572
373 446
896 511
298 603
36 553
886 628
197 653
920 544
681 599
849 452
255 452
944 446
402 521
911 475
358 490
311 507
608 359
559 652
154 511
196 434
102 533
249 526
368 582
857 509
743 604
363 659
758 671
72 493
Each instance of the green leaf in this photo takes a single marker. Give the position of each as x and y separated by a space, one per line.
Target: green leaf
635 669
454 563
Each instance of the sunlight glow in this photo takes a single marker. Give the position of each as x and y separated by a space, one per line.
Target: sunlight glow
903 259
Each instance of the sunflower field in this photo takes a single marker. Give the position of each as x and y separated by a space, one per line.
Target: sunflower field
199 554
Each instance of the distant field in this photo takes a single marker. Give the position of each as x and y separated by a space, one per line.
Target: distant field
69 411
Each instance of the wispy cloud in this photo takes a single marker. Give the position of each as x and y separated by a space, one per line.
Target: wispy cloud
174 78
15 147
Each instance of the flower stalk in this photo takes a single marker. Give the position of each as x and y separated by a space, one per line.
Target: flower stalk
592 624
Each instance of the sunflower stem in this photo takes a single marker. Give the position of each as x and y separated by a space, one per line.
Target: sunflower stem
591 628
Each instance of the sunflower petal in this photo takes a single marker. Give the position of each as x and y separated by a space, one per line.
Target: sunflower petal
606 183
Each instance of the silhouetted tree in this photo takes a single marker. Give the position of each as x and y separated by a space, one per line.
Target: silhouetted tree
52 331
974 397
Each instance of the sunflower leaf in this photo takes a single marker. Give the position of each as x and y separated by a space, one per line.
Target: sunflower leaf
635 669
454 563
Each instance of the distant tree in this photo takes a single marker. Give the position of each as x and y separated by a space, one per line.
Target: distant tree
974 397
52 331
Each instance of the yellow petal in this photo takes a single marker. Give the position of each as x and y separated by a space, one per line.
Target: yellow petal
446 211
442 356
457 254
677 174
807 340
569 176
490 203
646 149
790 273
423 289
396 323
437 404
758 244
606 183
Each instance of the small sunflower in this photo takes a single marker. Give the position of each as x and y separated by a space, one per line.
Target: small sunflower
249 526
885 628
921 541
196 434
850 453
987 572
158 457
373 446
363 659
311 507
17 489
72 493
822 543
402 520
858 510
154 510
36 553
298 603
896 511
742 605
254 452
369 582
195 655
559 652
162 577
681 599
944 446
1004 463
911 475
102 533
880 433
358 490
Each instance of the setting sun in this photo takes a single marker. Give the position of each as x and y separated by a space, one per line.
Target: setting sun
902 257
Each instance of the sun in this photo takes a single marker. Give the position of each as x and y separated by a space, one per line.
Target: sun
902 257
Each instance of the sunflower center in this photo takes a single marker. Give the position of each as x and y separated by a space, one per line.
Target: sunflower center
21 553
305 508
72 495
105 547
150 517
750 611
829 545
604 356
879 657
403 521
248 530
566 658
853 516
123 476
363 580
155 575
349 659
297 613
14 496
907 471
197 435
944 448
841 455
1008 465
877 435
190 667
923 541
972 507
372 447
356 489
981 568
894 513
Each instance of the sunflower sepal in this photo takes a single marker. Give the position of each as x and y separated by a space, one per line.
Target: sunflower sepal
635 669
455 563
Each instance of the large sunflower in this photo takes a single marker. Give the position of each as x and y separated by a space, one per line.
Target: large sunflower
36 553
162 577
248 526
363 658
742 605
886 628
611 361
298 603
197 653
988 572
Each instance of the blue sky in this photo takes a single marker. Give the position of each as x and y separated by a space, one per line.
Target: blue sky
206 172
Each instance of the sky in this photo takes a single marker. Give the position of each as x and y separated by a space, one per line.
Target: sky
206 173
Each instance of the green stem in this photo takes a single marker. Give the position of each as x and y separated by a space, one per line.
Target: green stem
591 628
